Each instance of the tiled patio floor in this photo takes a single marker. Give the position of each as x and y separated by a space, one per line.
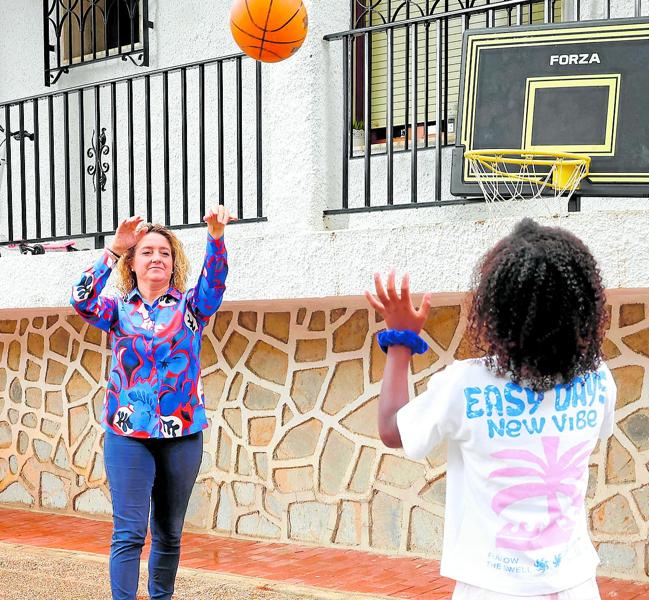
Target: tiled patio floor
341 570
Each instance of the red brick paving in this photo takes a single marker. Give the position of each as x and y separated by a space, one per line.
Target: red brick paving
328 568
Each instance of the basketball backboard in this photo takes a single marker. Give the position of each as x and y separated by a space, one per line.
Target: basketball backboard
571 87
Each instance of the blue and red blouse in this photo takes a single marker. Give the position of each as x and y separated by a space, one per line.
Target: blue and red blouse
154 389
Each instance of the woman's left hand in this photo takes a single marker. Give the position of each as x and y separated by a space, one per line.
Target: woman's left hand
217 218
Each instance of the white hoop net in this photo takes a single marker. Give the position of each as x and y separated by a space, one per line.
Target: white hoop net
513 180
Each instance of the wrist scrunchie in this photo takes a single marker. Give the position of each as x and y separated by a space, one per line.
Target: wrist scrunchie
398 337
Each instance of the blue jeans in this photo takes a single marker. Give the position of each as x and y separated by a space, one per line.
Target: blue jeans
143 474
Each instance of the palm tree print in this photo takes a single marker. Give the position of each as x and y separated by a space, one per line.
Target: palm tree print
557 475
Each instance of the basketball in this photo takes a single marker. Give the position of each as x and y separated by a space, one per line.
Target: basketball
269 30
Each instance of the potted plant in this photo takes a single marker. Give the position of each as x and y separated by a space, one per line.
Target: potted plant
358 133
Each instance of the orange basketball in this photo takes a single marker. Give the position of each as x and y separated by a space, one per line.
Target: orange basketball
269 30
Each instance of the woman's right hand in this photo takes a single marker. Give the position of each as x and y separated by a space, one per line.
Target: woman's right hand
128 234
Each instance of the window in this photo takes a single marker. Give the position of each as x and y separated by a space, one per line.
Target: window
78 32
385 11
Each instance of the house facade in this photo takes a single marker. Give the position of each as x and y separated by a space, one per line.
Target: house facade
153 111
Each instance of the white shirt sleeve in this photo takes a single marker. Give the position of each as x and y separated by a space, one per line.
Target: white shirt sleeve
611 398
432 416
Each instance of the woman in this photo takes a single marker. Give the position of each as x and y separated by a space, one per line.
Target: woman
154 407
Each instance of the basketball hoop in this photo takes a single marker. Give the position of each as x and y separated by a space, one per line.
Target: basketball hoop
527 174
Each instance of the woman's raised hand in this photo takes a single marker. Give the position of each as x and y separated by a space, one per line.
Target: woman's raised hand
217 218
398 311
128 234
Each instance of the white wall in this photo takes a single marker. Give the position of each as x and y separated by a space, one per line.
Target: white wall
298 253
294 265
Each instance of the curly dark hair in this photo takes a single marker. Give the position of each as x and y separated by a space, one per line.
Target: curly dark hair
538 310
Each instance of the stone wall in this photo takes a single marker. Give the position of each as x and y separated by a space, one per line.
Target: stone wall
293 453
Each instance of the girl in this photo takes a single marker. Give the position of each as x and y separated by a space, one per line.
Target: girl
521 423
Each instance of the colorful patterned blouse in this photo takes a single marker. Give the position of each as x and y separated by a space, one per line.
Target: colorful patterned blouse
154 389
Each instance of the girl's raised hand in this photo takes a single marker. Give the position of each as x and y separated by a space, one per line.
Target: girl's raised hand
217 218
398 310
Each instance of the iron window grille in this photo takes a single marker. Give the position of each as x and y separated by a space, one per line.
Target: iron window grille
393 16
78 32
400 82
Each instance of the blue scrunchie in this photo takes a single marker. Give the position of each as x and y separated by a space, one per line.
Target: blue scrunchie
397 337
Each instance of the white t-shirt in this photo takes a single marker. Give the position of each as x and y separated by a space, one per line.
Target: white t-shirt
517 474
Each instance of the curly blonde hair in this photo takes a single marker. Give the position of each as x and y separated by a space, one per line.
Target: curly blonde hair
126 280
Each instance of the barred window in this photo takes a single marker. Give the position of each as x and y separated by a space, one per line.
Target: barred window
79 32
367 13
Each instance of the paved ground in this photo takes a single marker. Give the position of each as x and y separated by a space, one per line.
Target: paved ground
71 560
32 573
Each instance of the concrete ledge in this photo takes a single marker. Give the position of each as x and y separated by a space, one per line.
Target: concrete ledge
266 265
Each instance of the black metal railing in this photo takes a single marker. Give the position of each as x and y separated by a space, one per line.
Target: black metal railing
78 32
163 144
401 65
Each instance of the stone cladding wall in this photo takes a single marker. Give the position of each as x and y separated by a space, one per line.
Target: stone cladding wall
293 453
